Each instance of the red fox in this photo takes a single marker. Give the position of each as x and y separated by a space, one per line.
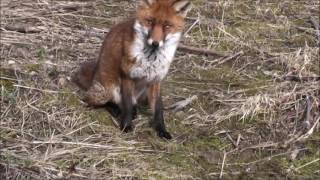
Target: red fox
134 58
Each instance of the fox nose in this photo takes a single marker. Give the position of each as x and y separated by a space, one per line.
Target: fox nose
155 44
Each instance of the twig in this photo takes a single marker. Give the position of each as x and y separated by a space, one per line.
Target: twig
88 145
24 29
10 79
200 51
307 164
308 112
262 145
222 61
181 104
238 140
73 7
300 78
115 122
232 141
309 133
42 90
222 166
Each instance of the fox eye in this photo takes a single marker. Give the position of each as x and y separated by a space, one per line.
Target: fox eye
167 26
149 21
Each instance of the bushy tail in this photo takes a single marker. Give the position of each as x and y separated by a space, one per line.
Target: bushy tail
84 77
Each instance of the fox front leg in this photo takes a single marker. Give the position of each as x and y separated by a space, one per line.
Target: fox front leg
155 103
127 106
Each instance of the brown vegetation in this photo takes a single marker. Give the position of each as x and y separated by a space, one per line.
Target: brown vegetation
250 110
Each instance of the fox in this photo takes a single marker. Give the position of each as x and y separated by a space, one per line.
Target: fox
134 59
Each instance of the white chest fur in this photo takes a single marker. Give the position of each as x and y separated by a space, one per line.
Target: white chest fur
152 65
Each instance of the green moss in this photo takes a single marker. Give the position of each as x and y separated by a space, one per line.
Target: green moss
100 115
7 85
301 40
23 161
41 54
211 142
178 160
313 154
70 99
32 67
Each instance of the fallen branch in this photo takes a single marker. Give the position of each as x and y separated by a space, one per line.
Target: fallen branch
224 60
24 29
300 78
294 78
200 51
73 6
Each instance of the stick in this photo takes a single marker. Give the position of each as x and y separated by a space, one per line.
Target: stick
24 29
232 141
230 57
42 90
182 104
300 78
200 51
310 131
73 7
316 160
87 145
222 166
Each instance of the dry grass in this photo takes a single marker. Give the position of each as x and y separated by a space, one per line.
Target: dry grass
256 115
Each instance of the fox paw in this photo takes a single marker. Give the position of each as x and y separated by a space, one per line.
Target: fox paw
164 134
126 128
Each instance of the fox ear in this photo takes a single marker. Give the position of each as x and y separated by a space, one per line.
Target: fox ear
147 2
182 7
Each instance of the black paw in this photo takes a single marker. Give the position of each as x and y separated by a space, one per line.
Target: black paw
113 109
126 127
164 134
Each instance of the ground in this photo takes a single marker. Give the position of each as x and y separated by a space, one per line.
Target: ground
255 115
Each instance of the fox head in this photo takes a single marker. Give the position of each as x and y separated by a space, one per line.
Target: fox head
159 20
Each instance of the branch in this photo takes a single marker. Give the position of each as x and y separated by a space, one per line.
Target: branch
299 78
200 51
73 6
24 29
